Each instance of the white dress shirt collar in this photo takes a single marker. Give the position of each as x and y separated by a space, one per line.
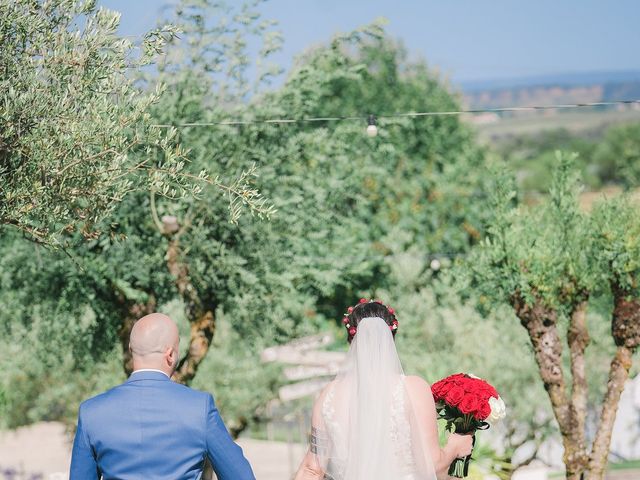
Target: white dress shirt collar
150 370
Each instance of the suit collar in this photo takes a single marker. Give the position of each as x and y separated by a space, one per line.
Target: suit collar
148 374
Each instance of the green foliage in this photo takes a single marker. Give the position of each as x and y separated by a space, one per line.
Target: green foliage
239 381
542 251
344 202
618 156
555 250
616 243
71 116
606 157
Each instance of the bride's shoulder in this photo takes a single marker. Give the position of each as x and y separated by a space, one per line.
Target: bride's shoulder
419 392
416 384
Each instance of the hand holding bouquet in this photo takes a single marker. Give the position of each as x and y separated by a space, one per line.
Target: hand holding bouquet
468 404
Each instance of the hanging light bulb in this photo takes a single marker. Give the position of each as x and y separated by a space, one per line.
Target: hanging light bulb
435 265
372 130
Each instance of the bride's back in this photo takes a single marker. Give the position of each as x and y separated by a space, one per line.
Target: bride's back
364 424
400 457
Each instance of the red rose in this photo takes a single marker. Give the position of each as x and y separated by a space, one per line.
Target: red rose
438 389
483 411
454 395
484 397
469 404
470 387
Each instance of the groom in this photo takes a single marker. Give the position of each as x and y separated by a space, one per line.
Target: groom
151 427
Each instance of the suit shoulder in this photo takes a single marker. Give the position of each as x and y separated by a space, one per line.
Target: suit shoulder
197 393
96 400
190 393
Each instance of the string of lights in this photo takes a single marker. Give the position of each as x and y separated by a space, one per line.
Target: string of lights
373 118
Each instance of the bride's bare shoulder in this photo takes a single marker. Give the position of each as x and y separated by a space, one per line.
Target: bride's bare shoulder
417 384
419 392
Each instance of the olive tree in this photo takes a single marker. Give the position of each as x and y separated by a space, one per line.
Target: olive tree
550 263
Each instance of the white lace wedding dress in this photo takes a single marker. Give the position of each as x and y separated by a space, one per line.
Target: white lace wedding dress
363 426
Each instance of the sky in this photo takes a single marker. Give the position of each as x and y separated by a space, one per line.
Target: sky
466 40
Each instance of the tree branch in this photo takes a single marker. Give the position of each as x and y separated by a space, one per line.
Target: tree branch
199 313
618 375
625 328
540 321
578 340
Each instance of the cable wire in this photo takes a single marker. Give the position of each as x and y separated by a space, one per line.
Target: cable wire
399 115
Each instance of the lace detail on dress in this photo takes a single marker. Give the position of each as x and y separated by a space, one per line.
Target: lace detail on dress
335 434
401 429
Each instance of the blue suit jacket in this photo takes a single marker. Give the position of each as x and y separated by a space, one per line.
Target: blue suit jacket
151 428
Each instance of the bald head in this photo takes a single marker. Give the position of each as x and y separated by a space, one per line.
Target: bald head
154 343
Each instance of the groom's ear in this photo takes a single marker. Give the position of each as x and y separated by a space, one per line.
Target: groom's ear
173 357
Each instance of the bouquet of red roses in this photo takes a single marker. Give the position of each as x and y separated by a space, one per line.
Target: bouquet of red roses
468 404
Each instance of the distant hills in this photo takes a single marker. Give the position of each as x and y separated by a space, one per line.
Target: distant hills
563 79
551 89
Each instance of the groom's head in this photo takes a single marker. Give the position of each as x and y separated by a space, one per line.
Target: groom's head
154 343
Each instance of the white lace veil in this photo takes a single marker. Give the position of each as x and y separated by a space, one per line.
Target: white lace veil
363 426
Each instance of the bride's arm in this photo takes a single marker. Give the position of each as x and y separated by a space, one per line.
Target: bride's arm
310 468
425 412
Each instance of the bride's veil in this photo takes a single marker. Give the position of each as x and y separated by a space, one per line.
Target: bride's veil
363 424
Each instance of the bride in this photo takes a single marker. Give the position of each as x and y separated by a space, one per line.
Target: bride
372 422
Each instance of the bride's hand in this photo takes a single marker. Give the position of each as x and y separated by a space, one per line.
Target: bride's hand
461 445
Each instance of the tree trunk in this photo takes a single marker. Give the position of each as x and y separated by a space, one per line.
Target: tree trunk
625 329
199 313
130 313
540 322
618 375
202 331
578 339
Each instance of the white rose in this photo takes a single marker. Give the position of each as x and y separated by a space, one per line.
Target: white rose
498 410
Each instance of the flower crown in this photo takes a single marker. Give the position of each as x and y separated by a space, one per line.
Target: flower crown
352 329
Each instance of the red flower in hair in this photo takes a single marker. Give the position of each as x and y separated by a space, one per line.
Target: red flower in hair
363 300
352 331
